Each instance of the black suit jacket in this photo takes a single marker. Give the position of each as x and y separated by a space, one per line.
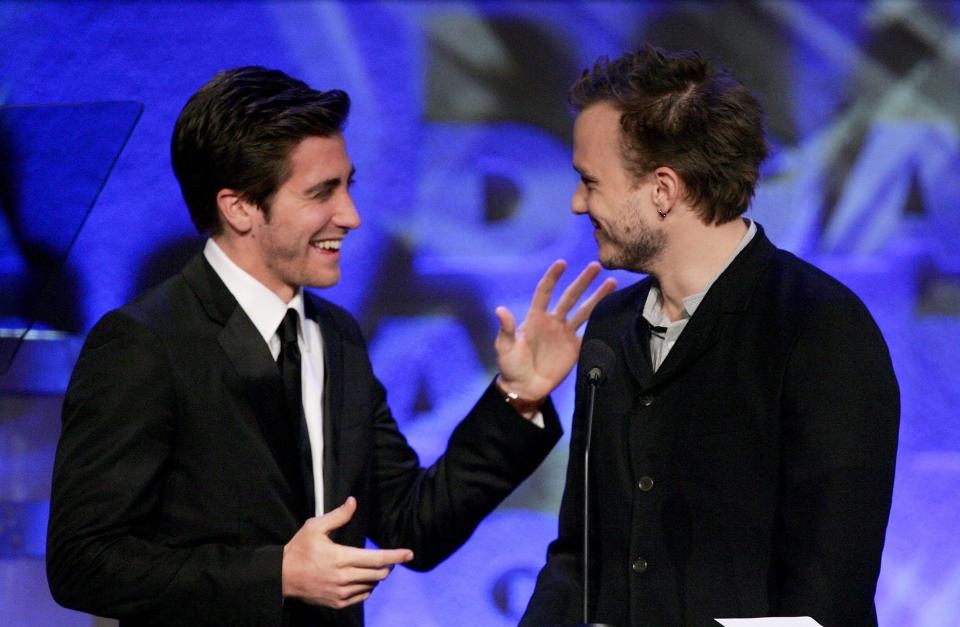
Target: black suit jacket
169 506
751 475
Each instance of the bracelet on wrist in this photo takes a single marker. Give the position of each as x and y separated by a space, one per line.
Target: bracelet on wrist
521 405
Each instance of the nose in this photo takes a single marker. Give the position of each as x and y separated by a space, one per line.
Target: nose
579 201
347 215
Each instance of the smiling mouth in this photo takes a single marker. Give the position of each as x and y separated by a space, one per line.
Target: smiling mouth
326 244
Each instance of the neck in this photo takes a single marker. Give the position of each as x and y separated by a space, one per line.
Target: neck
241 252
695 256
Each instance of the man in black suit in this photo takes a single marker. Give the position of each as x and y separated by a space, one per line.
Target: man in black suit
744 443
226 447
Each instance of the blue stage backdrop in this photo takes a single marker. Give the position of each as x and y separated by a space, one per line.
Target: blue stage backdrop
461 137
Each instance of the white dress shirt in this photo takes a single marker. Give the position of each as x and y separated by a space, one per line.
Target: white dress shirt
266 310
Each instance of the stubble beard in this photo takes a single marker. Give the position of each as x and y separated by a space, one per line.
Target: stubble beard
285 258
636 246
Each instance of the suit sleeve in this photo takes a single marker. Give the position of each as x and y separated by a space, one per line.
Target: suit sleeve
119 430
841 418
434 510
558 595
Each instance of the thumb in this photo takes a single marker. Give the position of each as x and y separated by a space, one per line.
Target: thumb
334 519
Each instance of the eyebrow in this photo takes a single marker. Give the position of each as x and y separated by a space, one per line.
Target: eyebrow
329 185
583 174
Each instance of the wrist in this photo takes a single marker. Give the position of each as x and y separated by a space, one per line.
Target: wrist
526 407
285 585
290 587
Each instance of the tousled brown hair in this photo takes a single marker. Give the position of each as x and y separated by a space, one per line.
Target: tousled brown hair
680 111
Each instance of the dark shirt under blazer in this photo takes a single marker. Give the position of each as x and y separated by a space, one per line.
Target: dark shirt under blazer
751 475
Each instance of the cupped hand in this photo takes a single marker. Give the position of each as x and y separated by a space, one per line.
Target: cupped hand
320 572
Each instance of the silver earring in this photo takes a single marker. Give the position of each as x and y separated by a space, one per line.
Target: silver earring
662 215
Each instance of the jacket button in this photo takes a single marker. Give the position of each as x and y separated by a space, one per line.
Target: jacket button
645 483
646 401
639 565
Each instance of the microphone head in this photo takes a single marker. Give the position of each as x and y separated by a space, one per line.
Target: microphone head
598 359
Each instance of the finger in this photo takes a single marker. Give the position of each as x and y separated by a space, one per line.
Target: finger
541 296
584 311
508 325
350 590
367 575
357 598
374 558
576 289
337 518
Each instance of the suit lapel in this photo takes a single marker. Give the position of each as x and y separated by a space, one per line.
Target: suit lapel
699 335
730 294
254 364
251 359
333 382
635 344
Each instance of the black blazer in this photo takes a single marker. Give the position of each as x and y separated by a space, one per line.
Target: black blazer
169 506
751 475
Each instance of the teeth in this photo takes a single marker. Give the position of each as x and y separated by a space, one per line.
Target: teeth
326 244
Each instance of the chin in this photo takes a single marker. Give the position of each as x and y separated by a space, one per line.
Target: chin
608 263
326 279
328 282
609 259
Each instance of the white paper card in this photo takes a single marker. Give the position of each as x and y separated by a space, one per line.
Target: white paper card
772 621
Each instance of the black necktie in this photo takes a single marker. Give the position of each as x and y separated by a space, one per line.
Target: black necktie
289 363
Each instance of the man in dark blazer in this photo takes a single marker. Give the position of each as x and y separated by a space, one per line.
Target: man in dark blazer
744 442
226 447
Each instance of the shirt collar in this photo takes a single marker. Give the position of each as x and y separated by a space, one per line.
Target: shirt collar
653 306
264 308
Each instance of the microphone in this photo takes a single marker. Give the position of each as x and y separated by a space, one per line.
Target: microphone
597 375
599 359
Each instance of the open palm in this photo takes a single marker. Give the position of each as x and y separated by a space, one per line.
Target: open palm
536 356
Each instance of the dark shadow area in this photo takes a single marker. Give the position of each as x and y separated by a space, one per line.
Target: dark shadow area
522 75
397 290
938 291
732 33
501 198
167 260
54 162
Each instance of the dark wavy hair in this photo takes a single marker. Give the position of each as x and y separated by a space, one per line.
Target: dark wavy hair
680 111
237 132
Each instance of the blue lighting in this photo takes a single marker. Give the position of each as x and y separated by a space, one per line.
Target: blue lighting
461 137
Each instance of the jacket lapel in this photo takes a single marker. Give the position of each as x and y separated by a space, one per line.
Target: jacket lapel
699 335
253 363
635 344
730 294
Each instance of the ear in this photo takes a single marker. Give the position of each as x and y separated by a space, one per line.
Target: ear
668 188
235 212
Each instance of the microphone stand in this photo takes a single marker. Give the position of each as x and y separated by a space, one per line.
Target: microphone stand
586 504
595 376
596 352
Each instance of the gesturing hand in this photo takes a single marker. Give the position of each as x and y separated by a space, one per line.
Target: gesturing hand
536 356
318 571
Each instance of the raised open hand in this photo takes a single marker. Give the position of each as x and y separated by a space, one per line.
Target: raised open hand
536 356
